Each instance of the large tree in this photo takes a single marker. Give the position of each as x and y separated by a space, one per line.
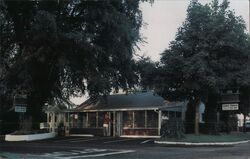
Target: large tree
209 53
56 49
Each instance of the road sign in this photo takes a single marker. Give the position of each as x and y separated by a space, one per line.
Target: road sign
233 106
20 109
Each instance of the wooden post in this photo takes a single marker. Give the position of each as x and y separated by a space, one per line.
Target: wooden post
119 123
159 122
48 120
109 127
53 122
133 125
87 120
114 124
97 119
244 123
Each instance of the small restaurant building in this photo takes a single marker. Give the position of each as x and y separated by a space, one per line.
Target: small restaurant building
125 115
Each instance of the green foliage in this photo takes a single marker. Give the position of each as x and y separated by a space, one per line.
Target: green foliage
173 128
210 52
55 49
63 48
146 70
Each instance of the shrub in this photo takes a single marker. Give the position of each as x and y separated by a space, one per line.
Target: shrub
173 128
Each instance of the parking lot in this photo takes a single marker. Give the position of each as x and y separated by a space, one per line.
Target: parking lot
73 147
103 141
113 148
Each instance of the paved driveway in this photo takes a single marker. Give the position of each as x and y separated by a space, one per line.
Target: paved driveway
113 148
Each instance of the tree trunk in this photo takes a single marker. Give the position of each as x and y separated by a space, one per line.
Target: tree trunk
189 117
197 116
211 115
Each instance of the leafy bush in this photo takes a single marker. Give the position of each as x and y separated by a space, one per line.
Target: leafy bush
173 128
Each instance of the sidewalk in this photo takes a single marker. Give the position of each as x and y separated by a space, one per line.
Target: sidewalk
201 143
206 140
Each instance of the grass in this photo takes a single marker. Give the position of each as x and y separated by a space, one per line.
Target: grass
210 138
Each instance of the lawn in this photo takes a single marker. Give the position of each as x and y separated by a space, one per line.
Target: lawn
211 138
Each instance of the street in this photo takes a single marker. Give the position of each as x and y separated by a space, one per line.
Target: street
112 148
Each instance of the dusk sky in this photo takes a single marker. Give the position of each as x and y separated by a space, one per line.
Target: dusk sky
164 17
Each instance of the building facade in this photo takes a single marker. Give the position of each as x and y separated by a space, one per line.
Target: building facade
137 114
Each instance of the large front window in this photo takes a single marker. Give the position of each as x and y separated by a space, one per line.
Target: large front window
92 120
128 119
101 118
140 119
152 119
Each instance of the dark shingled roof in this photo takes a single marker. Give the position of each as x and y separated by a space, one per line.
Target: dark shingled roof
136 101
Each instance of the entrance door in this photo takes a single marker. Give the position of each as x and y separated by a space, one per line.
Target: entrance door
116 124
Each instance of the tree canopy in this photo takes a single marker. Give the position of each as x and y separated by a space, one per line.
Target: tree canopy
56 49
62 48
210 52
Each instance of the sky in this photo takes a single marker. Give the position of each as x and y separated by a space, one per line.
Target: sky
164 17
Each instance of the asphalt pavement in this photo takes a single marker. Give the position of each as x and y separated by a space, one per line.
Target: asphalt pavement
113 148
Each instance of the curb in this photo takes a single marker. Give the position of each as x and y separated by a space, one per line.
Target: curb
30 137
201 144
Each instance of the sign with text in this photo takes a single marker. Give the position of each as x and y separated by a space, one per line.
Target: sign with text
233 106
20 109
20 103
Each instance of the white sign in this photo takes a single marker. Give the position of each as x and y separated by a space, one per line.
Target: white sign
233 106
20 109
44 125
164 117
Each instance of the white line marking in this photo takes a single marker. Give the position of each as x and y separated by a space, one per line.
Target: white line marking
118 141
89 150
74 154
70 139
101 155
136 136
84 140
82 135
145 141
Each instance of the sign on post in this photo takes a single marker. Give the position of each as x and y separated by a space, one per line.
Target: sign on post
20 109
20 103
233 106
